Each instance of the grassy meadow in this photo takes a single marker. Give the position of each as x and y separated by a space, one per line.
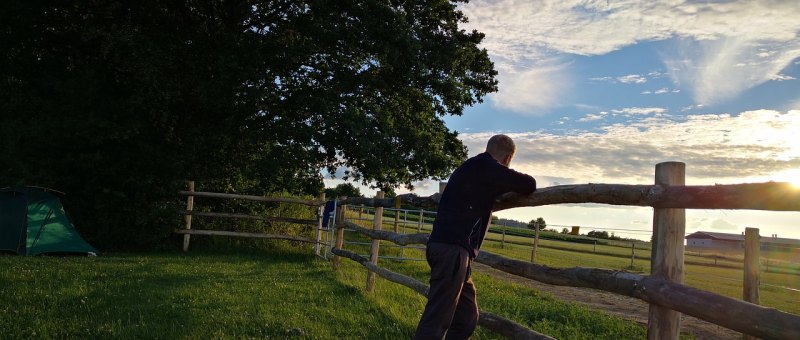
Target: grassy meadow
227 288
257 289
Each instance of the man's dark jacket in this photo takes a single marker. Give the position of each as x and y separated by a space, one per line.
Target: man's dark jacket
465 209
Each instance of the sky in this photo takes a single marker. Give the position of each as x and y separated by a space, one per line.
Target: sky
602 91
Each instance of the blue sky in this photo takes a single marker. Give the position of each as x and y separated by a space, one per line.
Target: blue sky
601 91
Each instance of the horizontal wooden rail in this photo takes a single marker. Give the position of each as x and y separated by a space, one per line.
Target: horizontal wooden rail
252 217
411 199
403 240
241 234
762 322
502 326
252 198
774 196
756 196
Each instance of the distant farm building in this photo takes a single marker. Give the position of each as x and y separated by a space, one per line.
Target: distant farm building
722 241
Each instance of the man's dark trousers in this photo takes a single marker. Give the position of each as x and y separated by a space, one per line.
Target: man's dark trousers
451 306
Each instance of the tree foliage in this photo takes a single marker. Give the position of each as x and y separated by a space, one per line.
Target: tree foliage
117 103
539 221
343 189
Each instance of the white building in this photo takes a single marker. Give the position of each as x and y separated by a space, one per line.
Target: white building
723 241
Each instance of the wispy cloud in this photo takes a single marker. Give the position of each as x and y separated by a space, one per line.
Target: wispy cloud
632 79
717 70
781 77
527 90
713 66
593 116
640 110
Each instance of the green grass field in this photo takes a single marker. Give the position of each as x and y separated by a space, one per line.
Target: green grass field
279 293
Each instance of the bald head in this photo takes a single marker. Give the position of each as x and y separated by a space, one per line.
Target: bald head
502 148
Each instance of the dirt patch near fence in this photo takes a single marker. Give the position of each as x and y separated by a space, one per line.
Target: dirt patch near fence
613 304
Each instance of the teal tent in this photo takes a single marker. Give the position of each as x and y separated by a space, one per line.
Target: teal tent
33 222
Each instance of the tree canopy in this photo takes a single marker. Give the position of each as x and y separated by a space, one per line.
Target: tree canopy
117 103
539 221
343 189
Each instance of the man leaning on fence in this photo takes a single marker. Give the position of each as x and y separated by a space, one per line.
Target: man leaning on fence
465 211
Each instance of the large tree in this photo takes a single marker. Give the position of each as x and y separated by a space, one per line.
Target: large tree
117 102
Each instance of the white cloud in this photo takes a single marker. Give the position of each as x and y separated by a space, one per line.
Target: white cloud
646 92
592 117
717 70
608 79
661 90
723 225
530 89
640 110
750 147
719 34
781 77
632 79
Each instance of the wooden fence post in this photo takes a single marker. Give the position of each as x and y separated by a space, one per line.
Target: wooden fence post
633 253
188 217
321 212
752 268
503 244
397 214
340 210
373 252
535 241
669 226
421 219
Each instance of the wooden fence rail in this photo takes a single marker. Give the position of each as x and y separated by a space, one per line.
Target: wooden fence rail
663 289
731 313
775 196
253 198
190 212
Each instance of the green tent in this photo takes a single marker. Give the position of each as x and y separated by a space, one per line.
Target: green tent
33 222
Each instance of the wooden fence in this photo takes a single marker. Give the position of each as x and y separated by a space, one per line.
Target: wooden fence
663 289
187 231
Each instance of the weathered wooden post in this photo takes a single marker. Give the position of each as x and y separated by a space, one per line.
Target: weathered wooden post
340 210
503 244
397 214
321 212
373 252
669 225
752 268
633 253
535 241
188 217
421 219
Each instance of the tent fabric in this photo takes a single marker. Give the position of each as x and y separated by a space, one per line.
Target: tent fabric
33 222
13 215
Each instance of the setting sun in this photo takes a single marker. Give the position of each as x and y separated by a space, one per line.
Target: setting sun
791 176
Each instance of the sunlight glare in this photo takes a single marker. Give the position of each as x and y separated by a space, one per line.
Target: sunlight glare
792 176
